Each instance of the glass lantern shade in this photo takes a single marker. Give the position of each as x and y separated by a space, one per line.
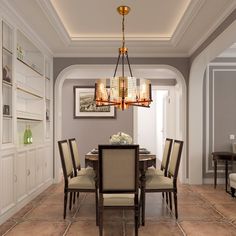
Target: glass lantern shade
123 92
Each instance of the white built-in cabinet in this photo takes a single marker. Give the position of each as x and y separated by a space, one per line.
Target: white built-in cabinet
26 101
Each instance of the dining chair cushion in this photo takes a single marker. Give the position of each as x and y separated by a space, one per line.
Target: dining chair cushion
159 182
118 199
81 182
232 180
153 171
86 171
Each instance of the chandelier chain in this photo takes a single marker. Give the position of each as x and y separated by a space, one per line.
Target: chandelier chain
123 31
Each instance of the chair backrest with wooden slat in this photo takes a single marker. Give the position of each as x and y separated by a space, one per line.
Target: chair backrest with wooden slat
66 160
118 168
166 155
74 155
175 158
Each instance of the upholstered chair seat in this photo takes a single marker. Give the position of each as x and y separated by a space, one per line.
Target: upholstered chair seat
159 182
153 171
82 182
86 171
232 182
118 199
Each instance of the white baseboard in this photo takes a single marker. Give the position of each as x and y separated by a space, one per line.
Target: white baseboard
211 181
6 215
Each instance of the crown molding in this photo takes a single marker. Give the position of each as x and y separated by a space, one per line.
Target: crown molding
221 17
12 15
54 20
113 55
172 41
186 20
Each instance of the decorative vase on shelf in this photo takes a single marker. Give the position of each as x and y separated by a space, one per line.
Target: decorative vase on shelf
120 138
28 139
30 136
26 135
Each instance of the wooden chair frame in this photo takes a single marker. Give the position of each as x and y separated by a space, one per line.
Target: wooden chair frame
66 181
134 191
171 190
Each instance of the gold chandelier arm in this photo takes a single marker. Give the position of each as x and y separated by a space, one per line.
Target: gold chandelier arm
123 31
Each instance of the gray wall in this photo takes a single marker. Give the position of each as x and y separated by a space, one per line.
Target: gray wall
90 132
180 63
222 112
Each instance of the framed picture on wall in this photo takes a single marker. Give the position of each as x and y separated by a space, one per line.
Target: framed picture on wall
85 106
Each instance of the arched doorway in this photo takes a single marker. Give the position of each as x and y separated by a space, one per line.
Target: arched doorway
195 117
101 71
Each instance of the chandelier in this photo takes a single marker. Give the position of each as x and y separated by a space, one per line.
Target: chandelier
123 91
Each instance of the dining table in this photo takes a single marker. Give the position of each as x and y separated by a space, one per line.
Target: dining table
146 160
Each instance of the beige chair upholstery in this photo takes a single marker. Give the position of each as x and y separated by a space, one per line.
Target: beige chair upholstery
118 180
165 184
164 162
232 182
81 183
76 160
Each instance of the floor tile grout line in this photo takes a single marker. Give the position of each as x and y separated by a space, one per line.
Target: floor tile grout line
181 229
10 229
67 228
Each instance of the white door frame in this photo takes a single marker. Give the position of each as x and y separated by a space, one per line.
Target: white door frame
103 71
181 125
222 42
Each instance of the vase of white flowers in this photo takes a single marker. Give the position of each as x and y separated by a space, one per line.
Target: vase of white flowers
120 138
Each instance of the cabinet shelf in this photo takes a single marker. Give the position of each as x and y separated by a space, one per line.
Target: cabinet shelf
23 115
28 119
6 50
29 66
6 83
7 117
28 94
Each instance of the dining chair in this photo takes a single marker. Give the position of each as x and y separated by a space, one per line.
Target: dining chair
73 184
161 183
118 180
76 164
164 162
78 170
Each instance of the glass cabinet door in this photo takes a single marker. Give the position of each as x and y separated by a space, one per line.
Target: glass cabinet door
7 121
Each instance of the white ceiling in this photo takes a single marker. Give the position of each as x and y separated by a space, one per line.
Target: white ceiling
153 28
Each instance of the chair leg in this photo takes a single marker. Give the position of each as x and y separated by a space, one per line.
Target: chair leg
65 203
78 195
96 205
100 217
232 191
162 195
176 205
136 220
70 200
74 197
170 199
143 199
166 198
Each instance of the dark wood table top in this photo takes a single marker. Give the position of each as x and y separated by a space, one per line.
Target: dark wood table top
142 156
224 155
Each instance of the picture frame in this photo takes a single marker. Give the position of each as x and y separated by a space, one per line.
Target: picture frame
85 106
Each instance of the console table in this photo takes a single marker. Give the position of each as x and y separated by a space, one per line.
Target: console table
226 157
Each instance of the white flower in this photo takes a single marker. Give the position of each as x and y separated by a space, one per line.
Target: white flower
120 138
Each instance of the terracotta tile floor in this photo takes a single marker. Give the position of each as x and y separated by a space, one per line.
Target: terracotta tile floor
203 210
